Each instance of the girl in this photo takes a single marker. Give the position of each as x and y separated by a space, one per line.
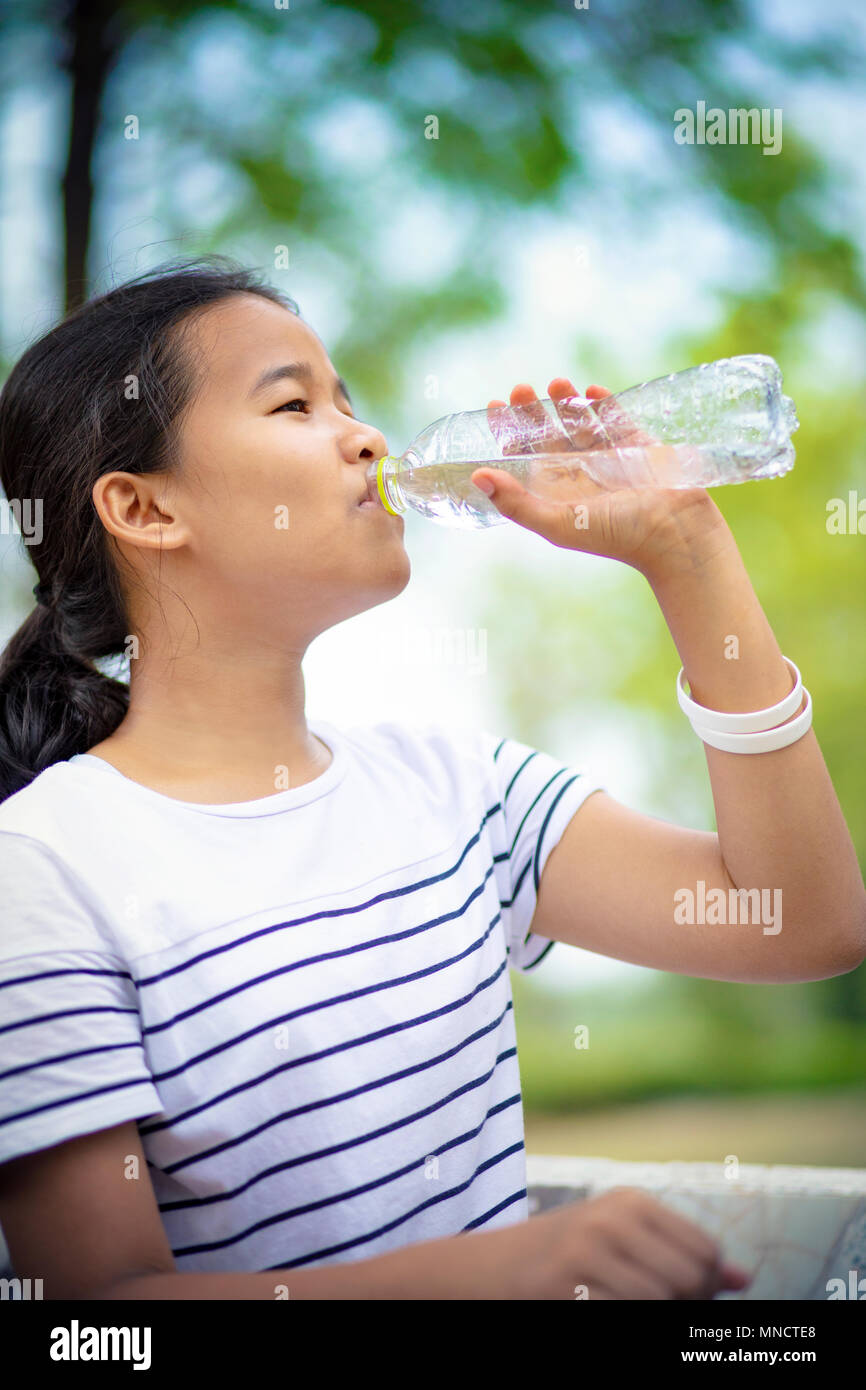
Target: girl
254 968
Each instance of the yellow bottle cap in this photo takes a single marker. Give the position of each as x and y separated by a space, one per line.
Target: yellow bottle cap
380 485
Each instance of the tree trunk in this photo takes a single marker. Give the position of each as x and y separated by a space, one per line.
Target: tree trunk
91 29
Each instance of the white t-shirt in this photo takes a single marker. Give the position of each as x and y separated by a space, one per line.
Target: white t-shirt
304 1000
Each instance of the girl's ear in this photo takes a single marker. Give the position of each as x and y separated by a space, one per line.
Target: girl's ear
134 507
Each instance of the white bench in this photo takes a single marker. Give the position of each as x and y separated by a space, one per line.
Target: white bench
801 1231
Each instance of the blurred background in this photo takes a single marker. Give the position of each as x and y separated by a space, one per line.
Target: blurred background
460 197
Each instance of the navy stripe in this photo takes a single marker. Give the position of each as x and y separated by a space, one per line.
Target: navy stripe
64 1013
518 772
52 974
533 805
390 1226
324 915
74 1100
66 1057
317 1154
532 964
537 855
338 954
332 1100
331 1002
494 1211
519 884
332 1199
550 810
144 981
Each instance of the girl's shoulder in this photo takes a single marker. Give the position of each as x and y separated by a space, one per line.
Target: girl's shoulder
54 794
428 748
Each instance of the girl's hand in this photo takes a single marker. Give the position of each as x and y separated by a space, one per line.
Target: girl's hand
645 527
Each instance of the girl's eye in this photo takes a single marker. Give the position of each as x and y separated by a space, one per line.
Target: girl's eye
290 405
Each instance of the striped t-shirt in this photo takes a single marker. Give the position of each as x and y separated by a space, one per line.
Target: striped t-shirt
303 1000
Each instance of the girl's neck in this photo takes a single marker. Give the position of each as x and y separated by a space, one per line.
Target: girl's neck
216 737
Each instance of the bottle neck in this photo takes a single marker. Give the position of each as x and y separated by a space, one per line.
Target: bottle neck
388 472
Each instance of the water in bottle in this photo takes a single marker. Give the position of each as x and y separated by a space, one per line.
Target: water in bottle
721 422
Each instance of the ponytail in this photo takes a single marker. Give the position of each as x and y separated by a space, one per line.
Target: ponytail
53 703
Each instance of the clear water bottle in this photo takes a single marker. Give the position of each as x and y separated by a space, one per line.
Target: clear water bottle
722 422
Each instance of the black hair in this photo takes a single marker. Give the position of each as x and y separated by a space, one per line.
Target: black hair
105 389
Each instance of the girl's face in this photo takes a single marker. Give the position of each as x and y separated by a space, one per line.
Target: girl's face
272 472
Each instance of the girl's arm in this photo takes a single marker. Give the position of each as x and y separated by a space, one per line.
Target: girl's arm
609 884
617 881
82 1216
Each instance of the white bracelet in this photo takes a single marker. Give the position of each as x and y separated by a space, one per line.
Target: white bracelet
763 740
719 722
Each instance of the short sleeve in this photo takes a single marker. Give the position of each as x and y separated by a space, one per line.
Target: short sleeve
73 1059
536 796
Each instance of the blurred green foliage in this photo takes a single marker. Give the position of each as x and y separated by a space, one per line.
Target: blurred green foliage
751 1038
514 85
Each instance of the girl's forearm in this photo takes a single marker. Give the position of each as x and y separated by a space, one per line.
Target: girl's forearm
465 1266
779 822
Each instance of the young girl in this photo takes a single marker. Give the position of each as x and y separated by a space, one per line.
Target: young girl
254 969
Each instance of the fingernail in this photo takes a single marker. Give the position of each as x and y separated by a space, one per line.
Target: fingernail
486 486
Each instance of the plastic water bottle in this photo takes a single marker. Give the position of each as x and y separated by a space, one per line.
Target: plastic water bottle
722 422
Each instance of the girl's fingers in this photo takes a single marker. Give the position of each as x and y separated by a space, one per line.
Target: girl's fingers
510 428
561 388
580 435
533 413
500 422
545 435
531 407
617 423
523 394
558 521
